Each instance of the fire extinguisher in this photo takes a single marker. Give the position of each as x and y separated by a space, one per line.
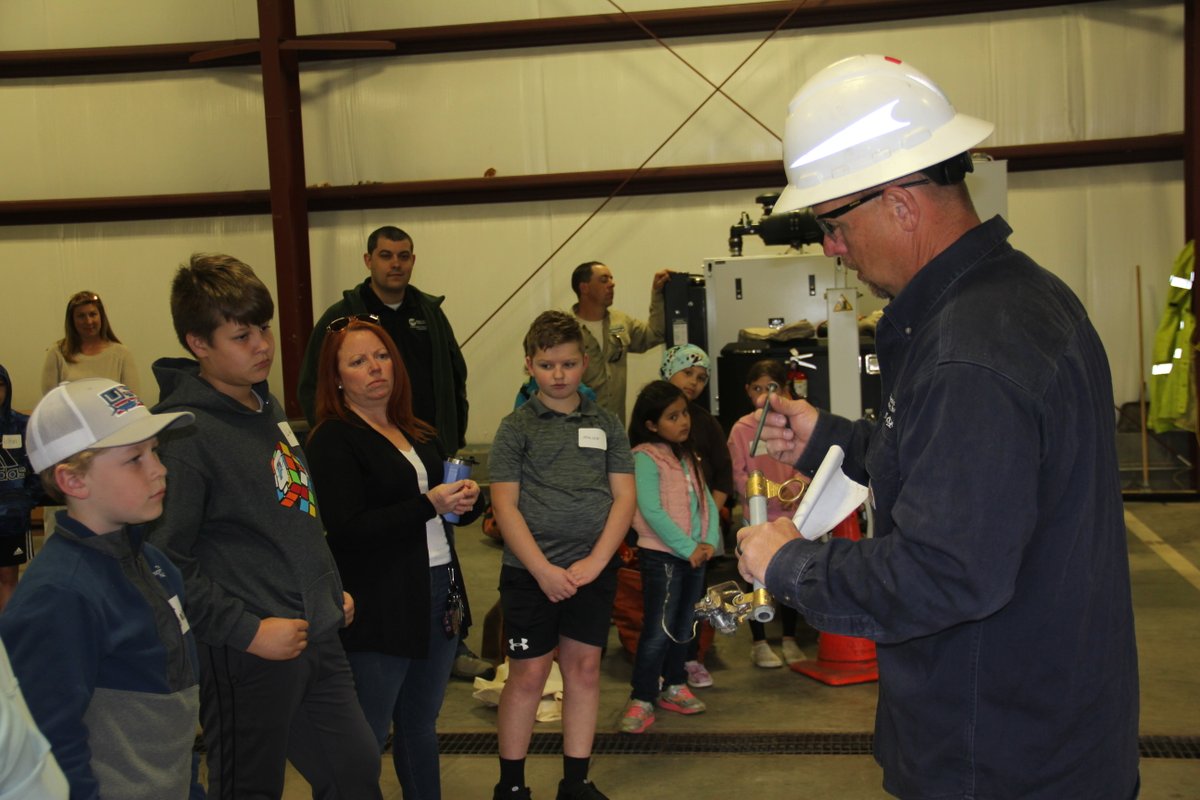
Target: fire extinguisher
797 378
799 382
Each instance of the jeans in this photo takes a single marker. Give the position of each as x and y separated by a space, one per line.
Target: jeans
408 693
670 586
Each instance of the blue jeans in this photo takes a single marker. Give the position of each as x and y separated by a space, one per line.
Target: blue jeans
408 693
670 587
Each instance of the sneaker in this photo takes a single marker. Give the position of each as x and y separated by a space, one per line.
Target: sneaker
469 666
792 652
638 716
680 700
579 791
698 677
514 793
763 656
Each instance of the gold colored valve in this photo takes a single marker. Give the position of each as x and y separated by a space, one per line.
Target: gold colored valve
789 492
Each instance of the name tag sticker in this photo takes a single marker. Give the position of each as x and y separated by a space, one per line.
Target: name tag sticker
593 437
184 627
12 441
289 434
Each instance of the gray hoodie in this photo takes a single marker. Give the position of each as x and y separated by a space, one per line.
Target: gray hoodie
240 519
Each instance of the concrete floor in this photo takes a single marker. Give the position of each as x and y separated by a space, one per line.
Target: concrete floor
748 699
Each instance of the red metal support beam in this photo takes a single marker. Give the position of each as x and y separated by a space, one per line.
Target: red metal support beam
289 207
553 186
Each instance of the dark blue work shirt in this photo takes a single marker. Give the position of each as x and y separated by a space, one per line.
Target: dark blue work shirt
997 585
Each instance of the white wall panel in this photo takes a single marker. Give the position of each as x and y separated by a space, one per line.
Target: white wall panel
1100 70
157 133
422 118
55 24
336 16
1092 227
1093 71
52 24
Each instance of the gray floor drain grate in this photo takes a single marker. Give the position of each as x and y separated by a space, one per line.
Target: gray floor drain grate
676 744
1169 746
809 744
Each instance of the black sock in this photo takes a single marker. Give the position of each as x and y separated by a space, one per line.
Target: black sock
575 770
512 773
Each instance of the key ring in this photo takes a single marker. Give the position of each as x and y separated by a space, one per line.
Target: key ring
796 485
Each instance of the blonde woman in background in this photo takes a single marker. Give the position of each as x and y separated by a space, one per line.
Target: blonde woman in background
89 349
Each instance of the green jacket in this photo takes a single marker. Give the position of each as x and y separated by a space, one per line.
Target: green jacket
449 369
1172 395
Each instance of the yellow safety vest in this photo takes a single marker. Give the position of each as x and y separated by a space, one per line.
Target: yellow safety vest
1172 387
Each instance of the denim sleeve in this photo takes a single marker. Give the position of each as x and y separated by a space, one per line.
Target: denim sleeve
956 482
784 573
853 436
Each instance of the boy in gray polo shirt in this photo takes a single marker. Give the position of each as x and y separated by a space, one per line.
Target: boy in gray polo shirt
563 492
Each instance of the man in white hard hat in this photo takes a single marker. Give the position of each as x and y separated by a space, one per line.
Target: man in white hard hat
997 585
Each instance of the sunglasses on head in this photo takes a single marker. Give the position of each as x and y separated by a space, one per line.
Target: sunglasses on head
342 322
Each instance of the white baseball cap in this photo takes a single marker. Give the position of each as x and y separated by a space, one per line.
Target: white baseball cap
90 414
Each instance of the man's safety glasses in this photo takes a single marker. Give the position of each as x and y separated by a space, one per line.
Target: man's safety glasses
831 230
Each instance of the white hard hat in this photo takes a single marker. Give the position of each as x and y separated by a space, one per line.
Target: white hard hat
864 121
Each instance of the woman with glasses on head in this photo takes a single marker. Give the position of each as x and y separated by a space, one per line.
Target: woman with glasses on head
378 472
89 349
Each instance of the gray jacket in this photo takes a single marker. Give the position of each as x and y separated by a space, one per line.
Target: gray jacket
240 519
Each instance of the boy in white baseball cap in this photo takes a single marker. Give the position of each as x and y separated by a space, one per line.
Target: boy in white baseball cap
95 630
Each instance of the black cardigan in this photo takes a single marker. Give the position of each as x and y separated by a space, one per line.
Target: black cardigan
375 514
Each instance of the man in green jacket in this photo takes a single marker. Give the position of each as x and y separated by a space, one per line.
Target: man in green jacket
436 369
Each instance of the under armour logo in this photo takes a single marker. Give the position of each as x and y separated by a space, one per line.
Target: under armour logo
513 644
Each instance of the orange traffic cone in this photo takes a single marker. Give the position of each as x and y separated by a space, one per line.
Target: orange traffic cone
842 660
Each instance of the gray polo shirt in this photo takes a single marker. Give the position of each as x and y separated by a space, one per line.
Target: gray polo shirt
562 463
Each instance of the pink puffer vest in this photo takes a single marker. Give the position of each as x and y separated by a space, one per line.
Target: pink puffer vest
673 494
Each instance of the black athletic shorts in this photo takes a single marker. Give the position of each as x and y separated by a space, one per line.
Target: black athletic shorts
532 624
14 549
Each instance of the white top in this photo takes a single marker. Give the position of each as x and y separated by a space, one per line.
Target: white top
435 532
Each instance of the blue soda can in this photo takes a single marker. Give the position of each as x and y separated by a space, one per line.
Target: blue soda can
455 470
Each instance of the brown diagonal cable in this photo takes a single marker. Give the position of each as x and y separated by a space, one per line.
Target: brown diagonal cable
700 74
633 174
